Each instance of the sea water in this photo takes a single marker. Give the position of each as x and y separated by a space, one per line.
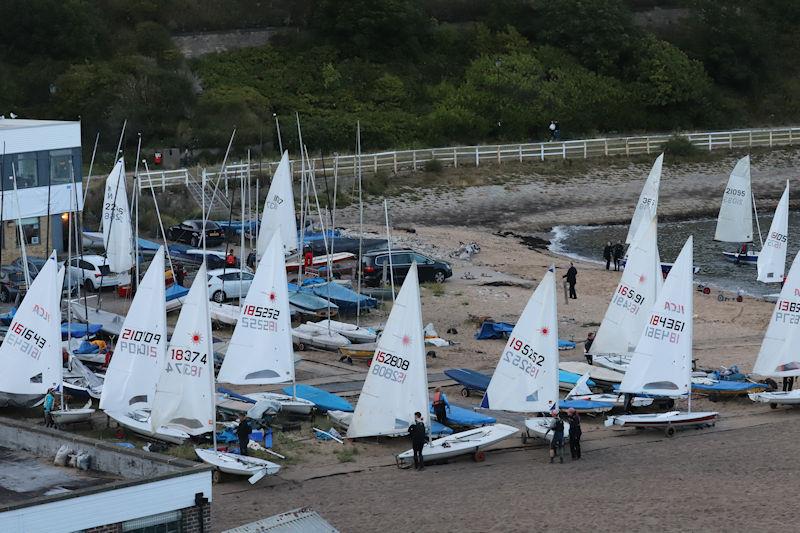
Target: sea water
587 242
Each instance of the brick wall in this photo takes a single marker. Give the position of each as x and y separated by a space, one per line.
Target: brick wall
111 528
10 234
191 518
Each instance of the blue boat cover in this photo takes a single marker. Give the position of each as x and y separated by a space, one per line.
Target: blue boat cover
466 417
324 400
176 291
87 347
235 395
308 300
6 318
439 430
148 246
501 330
469 379
78 330
584 405
571 378
346 299
318 235
730 386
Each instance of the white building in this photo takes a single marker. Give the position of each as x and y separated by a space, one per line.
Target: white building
45 158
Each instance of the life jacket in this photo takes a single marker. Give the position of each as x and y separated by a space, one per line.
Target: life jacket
308 259
230 260
437 399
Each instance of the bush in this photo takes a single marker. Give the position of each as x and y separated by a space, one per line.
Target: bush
433 165
680 146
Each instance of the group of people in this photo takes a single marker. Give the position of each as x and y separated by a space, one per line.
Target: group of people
615 253
574 435
555 130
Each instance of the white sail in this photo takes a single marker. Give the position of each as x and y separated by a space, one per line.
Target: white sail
184 398
647 206
772 259
779 355
31 352
278 215
397 384
735 221
117 232
662 361
140 349
581 387
633 298
260 351
526 377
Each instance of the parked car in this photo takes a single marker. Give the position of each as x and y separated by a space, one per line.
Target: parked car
225 283
190 231
214 258
428 269
90 271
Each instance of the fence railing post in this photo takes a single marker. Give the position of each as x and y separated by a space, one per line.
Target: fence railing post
709 142
648 144
394 156
498 155
477 157
520 148
563 150
730 140
627 148
455 158
605 143
541 147
770 138
163 181
585 153
790 136
413 161
375 164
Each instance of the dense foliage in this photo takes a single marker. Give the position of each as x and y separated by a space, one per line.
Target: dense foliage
413 72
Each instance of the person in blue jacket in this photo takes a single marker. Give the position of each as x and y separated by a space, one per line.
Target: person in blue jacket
49 402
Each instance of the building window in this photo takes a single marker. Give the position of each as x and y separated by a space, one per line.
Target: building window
30 228
27 176
60 167
160 523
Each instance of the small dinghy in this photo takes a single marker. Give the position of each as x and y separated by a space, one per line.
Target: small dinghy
308 304
471 442
224 313
323 400
289 404
776 398
470 380
735 219
71 416
139 422
602 376
586 406
342 419
110 322
353 333
668 421
715 388
305 336
358 351
540 428
616 362
582 392
240 465
79 381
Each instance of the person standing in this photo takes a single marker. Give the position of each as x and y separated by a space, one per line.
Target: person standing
788 383
557 442
440 405
552 128
618 253
230 259
243 431
587 347
574 420
572 279
417 432
607 253
49 401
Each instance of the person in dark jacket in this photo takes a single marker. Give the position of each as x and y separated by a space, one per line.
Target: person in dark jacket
243 432
618 252
572 278
608 252
587 347
574 420
417 432
557 442
251 259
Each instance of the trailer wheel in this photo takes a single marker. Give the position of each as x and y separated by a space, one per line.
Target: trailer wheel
465 392
773 405
301 346
479 456
669 431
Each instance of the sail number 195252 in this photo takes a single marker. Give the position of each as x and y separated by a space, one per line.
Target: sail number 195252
523 356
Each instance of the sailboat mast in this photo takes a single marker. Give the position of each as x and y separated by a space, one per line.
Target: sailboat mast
242 257
21 232
360 222
91 165
161 222
136 213
758 224
302 204
389 243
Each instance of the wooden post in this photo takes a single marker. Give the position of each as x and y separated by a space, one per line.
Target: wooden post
520 149
413 161
648 144
627 149
394 155
477 158
584 149
709 142
498 155
770 138
455 157
605 143
541 147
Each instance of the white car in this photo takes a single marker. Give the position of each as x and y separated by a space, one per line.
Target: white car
91 271
225 283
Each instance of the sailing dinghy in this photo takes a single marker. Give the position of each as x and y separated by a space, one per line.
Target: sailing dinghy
139 356
662 362
581 391
772 259
778 356
31 351
629 307
260 351
647 206
355 334
526 378
735 220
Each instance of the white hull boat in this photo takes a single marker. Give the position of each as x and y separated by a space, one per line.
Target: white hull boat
466 442
240 465
224 313
540 428
595 373
617 399
353 333
667 421
340 419
72 416
297 406
111 322
305 336
749 258
139 422
617 363
776 398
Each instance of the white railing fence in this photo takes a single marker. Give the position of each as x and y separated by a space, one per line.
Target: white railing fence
399 161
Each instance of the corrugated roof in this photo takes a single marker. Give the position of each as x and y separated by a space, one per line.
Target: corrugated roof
303 520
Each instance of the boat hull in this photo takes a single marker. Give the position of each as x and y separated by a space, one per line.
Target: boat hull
617 363
540 428
353 333
240 465
776 397
464 442
617 400
297 406
751 258
664 420
71 416
139 422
